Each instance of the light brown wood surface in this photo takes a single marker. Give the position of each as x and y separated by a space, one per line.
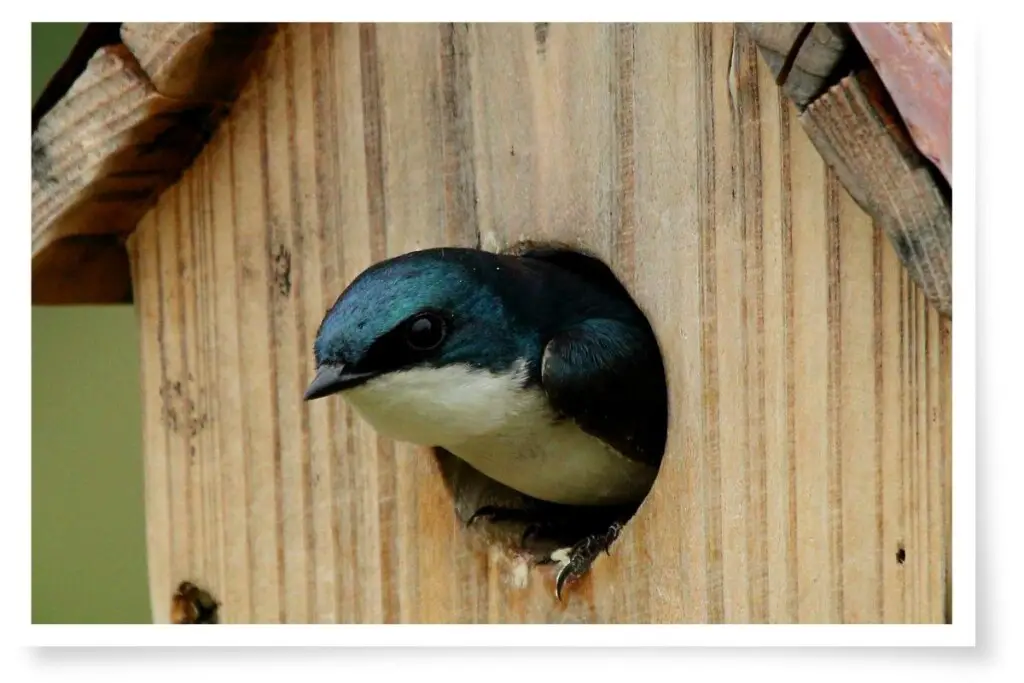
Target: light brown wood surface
879 155
204 63
879 166
815 58
810 382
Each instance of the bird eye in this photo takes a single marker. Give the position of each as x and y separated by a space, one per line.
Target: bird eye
425 332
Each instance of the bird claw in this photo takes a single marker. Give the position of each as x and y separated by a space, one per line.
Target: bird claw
576 560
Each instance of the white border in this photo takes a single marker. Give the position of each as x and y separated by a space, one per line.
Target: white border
962 632
530 635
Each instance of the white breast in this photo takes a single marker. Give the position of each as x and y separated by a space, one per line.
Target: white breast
507 433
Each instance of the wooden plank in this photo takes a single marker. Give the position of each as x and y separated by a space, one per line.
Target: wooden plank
883 171
202 62
805 58
94 36
547 103
94 166
102 154
861 134
915 61
808 375
414 154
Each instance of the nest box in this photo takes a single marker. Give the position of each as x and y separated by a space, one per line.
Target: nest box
789 244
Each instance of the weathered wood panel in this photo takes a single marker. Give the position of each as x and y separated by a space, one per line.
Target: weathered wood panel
121 133
810 437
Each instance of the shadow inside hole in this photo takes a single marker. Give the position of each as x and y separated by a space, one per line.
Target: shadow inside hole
528 526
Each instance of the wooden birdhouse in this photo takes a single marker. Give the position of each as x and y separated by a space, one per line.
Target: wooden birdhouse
774 198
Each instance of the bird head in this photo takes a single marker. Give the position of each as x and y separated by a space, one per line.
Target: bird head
419 345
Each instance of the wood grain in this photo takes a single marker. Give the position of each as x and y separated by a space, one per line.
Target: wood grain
810 436
121 133
201 62
915 61
93 171
873 155
869 143
815 60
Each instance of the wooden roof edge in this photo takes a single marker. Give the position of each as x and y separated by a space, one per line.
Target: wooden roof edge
95 36
118 124
875 100
915 62
164 88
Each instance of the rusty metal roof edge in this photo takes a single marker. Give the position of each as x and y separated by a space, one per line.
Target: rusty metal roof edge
915 61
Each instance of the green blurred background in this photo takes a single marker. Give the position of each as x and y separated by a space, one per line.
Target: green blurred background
88 530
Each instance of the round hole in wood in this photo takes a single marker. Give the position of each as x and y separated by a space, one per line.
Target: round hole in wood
622 397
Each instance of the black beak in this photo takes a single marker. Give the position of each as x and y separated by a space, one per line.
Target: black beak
330 379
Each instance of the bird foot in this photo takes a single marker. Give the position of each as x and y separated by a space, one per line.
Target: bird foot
580 537
576 560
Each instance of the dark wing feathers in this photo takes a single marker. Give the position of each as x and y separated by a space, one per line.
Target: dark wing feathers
604 375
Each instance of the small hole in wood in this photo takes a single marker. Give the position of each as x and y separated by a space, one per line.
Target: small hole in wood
191 604
901 555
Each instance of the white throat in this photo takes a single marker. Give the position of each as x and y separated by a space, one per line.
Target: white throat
505 431
441 406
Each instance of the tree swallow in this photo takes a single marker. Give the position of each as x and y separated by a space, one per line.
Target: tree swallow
536 368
